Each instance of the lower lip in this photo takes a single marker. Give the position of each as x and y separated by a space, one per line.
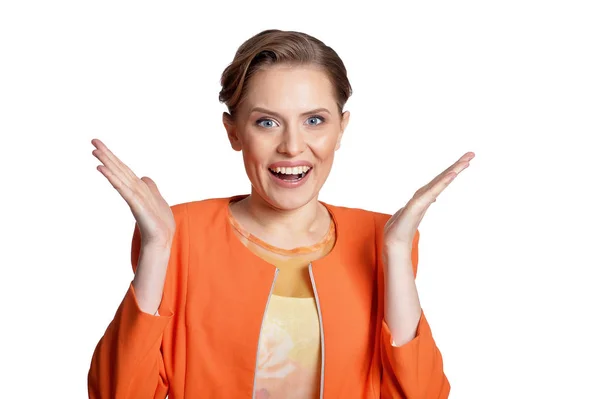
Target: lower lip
290 183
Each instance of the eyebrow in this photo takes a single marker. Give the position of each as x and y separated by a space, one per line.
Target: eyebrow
266 111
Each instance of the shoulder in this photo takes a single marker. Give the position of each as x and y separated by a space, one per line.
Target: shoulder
201 217
200 205
202 209
365 220
359 217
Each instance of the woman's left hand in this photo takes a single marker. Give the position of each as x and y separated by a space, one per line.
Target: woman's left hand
400 229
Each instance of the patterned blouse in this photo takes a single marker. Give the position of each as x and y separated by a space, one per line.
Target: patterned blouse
289 354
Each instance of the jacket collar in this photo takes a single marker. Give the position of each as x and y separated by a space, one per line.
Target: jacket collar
243 254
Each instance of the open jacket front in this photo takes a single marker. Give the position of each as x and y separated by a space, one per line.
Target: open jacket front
204 343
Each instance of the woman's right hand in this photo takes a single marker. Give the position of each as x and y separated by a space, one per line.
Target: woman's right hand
151 212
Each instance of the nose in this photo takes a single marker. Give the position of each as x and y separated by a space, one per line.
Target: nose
292 142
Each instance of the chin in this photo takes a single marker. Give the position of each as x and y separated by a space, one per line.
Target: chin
289 199
283 197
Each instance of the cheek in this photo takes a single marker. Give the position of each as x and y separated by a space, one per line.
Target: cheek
324 146
255 148
257 153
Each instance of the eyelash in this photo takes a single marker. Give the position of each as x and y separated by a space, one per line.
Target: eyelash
310 117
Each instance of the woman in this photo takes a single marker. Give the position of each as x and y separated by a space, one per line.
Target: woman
273 294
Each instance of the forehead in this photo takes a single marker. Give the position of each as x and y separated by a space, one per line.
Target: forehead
290 88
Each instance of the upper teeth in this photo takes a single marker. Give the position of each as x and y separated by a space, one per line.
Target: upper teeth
291 171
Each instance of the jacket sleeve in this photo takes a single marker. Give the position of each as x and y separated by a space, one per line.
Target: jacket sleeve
413 370
127 362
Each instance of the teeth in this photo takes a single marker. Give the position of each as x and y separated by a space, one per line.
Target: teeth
291 171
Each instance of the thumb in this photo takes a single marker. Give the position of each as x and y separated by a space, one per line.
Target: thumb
151 185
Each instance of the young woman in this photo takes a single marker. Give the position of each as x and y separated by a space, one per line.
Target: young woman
274 294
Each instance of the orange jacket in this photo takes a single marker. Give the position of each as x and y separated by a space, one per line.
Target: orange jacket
204 343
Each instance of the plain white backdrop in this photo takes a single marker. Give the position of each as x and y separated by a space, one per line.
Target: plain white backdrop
508 271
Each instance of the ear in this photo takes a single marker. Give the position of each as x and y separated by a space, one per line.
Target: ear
344 123
230 127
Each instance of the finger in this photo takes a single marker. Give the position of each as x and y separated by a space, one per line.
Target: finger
158 199
130 189
430 195
151 185
110 165
124 190
456 166
393 218
115 160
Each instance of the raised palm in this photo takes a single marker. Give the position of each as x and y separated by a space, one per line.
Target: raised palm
150 210
400 229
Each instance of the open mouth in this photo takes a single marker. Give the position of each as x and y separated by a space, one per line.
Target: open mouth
291 174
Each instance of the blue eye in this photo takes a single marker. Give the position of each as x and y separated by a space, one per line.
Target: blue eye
270 123
313 120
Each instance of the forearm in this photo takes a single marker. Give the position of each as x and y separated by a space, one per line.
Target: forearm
402 310
150 275
127 361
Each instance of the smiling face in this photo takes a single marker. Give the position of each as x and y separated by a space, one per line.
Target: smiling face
288 128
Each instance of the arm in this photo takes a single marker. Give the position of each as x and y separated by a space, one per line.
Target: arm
402 310
127 362
413 369
412 363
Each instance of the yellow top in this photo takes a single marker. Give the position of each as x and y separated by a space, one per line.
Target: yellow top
289 355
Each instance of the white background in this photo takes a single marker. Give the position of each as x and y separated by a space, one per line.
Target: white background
508 254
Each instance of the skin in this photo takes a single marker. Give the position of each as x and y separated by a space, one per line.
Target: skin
154 219
290 218
284 217
402 307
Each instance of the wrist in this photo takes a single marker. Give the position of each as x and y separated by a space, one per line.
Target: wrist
163 246
397 254
399 249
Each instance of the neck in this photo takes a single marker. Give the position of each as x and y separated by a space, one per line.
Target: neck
296 227
306 219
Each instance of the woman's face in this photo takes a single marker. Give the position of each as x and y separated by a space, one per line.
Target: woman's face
288 129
